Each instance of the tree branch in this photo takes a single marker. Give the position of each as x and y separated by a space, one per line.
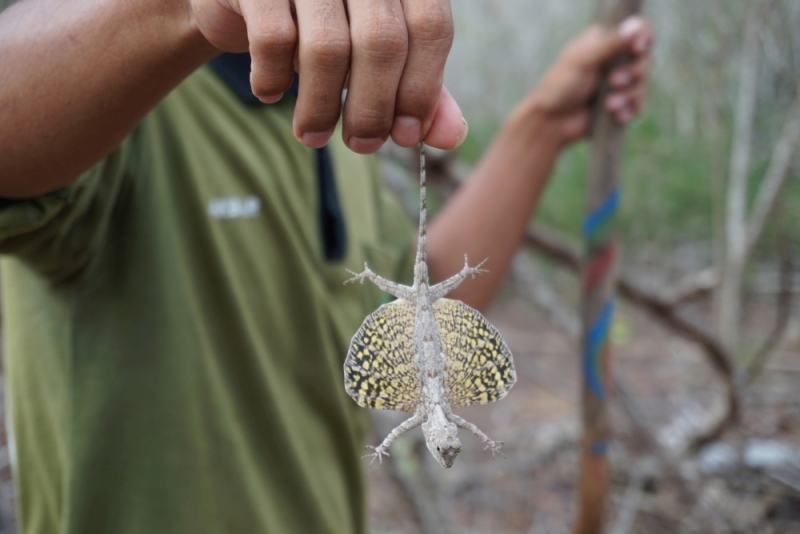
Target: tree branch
557 249
691 287
561 252
775 177
784 311
736 205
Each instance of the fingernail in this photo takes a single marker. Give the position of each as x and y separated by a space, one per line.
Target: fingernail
316 139
406 131
464 133
616 102
625 116
630 26
365 145
621 78
271 99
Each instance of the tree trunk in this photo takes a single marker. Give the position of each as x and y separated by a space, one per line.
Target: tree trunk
736 229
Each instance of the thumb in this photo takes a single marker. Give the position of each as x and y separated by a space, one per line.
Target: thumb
598 46
449 128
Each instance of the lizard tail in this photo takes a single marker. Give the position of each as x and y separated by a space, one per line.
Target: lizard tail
422 254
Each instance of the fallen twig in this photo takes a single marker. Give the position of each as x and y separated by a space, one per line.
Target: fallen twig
691 287
524 274
784 311
631 501
631 408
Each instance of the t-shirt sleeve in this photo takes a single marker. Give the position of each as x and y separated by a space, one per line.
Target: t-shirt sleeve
59 234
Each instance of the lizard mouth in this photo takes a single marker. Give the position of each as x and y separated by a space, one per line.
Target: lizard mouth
448 455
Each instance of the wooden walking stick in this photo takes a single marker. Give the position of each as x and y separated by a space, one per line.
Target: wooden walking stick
599 281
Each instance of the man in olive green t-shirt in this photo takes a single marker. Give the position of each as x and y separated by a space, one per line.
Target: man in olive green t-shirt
176 321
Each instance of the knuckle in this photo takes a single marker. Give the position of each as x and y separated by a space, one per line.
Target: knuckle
272 65
369 123
577 49
278 39
419 99
269 85
432 24
384 40
329 50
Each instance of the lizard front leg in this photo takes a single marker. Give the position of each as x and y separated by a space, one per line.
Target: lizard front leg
466 425
412 422
396 290
443 288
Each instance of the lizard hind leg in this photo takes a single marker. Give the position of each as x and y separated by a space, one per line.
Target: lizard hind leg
382 449
443 288
379 453
490 444
396 290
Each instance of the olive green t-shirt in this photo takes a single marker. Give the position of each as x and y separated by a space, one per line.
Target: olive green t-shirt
174 337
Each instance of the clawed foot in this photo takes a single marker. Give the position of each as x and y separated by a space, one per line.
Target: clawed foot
359 277
495 447
473 270
379 453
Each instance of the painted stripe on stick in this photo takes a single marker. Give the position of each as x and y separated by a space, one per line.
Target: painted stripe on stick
599 267
596 337
602 213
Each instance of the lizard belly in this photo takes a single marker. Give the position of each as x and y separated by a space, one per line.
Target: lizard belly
431 361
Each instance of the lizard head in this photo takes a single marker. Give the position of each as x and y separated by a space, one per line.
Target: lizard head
442 440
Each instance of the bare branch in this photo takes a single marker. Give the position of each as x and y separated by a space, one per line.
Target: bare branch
736 209
792 483
623 523
784 311
563 253
631 408
690 287
538 291
554 246
775 177
558 250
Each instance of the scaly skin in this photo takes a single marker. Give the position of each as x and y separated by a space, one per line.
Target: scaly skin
433 403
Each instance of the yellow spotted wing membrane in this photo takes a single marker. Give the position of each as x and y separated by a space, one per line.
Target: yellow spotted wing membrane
380 369
480 368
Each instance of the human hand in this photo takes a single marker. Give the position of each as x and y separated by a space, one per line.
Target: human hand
390 55
565 95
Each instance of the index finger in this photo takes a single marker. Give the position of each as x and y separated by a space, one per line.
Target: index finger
272 37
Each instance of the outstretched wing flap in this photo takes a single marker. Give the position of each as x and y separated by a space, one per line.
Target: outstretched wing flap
380 370
480 368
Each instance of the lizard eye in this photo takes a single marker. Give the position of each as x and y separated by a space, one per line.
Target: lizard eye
438 449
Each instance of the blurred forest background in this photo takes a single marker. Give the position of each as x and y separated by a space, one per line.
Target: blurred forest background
707 362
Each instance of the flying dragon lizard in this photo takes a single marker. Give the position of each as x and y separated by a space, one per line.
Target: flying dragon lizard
427 355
